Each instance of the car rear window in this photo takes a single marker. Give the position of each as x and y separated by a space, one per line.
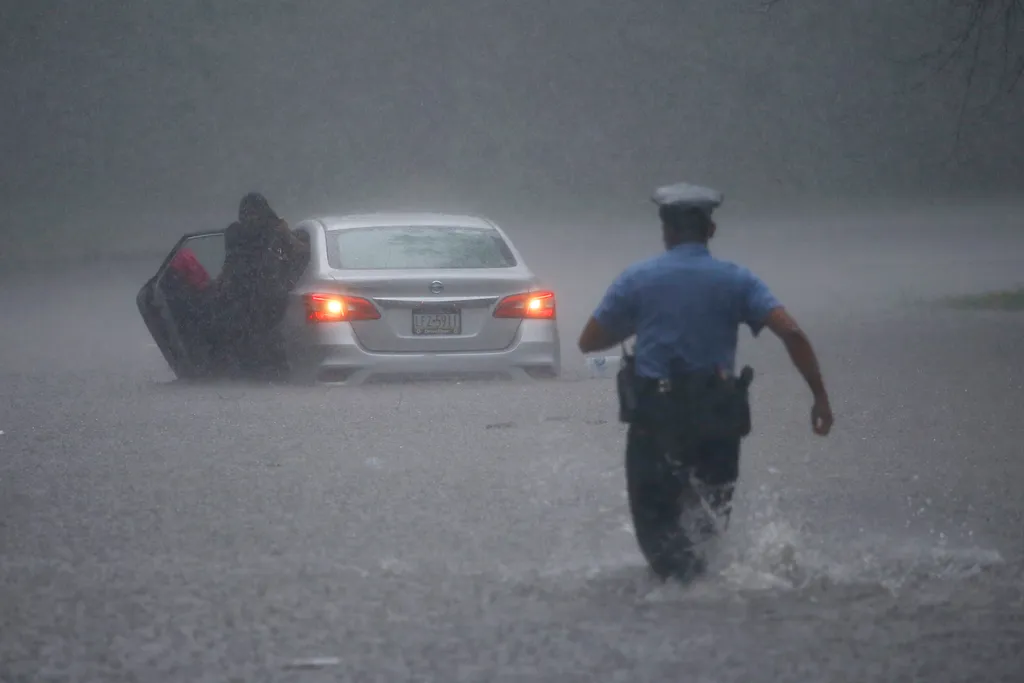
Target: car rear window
401 247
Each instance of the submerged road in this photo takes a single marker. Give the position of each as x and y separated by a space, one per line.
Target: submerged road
153 531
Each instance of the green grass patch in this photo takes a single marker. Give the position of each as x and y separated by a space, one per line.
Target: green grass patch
1004 300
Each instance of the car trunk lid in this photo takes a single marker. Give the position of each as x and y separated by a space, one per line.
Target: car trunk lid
436 311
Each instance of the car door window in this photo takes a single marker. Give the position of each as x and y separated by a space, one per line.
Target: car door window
208 251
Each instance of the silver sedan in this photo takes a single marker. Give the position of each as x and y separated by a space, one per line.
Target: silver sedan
392 296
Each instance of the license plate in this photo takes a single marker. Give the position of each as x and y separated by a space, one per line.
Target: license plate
436 322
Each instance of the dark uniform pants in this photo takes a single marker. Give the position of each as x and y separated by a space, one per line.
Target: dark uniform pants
657 471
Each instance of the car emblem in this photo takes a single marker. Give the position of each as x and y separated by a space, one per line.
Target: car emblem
436 287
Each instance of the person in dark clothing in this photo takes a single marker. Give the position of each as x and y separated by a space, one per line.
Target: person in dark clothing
262 261
261 251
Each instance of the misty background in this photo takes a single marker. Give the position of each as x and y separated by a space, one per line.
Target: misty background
128 123
158 530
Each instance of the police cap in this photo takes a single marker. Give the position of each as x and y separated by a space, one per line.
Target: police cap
683 198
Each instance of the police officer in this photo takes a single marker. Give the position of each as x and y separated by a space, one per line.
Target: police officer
685 308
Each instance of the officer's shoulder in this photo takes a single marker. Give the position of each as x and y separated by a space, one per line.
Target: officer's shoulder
644 267
734 269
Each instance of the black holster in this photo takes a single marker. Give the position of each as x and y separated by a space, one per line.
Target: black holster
626 386
713 407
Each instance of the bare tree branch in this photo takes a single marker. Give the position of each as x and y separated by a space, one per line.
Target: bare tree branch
1013 16
971 71
979 21
982 29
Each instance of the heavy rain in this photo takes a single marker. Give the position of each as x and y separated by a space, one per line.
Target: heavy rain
870 153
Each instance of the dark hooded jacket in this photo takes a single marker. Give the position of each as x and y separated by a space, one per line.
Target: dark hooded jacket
259 264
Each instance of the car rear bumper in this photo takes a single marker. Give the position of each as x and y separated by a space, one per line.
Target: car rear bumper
332 354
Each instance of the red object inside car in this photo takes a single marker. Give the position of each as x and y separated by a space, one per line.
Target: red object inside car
190 269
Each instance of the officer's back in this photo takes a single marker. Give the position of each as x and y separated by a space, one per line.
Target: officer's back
685 306
687 418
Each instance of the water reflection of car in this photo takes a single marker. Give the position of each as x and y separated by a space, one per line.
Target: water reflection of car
387 296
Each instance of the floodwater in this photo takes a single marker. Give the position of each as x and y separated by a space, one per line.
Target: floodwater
479 531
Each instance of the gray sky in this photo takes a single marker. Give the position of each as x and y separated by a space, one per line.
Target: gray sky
484 103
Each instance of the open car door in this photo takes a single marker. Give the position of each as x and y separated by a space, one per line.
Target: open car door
176 303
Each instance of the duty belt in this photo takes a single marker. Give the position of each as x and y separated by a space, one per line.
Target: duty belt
666 385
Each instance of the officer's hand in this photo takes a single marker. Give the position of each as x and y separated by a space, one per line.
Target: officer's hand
821 417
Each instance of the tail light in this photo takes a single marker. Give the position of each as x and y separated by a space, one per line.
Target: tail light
528 305
336 308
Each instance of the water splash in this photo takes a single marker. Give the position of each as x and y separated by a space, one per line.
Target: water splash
767 550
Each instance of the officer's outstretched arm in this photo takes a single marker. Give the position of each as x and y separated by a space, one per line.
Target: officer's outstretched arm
782 324
596 338
806 361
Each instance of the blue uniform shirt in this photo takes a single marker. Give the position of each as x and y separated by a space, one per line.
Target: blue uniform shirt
685 308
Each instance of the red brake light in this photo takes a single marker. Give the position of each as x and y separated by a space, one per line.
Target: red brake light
336 308
533 305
